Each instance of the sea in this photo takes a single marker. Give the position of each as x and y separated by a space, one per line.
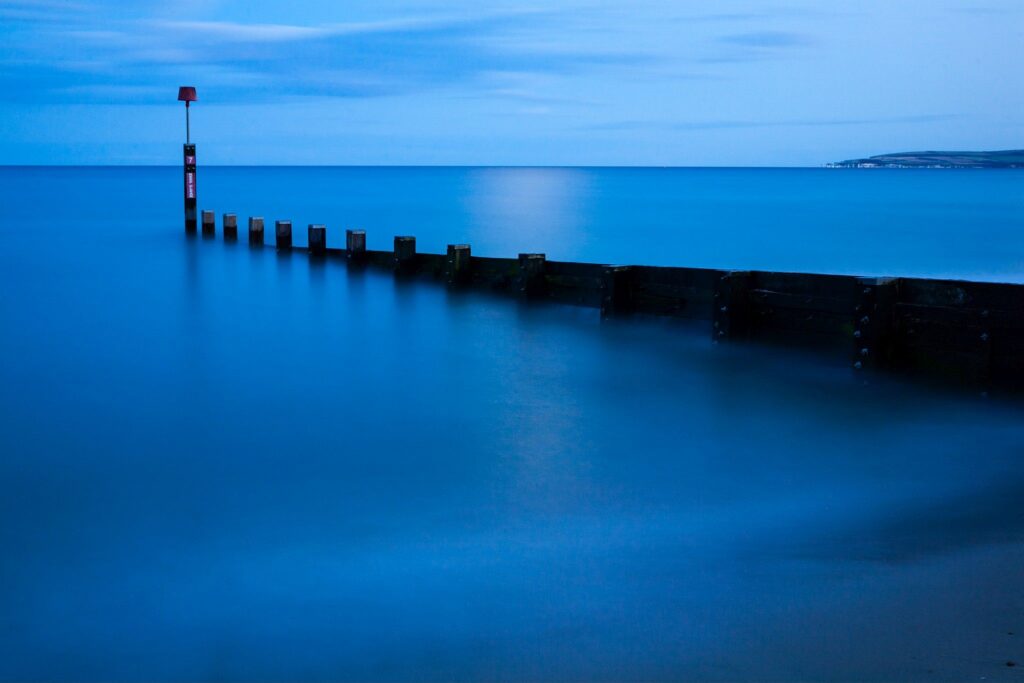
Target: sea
226 464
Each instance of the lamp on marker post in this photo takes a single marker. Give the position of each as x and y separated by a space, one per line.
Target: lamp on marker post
187 94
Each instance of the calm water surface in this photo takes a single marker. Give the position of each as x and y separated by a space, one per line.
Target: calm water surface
221 464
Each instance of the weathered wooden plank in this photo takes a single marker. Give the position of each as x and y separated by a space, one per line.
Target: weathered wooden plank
670 275
650 303
593 271
964 294
209 226
532 278
795 321
573 296
839 287
494 273
874 324
317 239
404 261
578 284
255 231
355 246
283 234
380 258
617 292
804 302
434 266
458 265
921 333
961 315
230 227
730 313
676 292
827 341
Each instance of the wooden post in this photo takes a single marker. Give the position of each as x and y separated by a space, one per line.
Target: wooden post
532 282
317 239
283 234
405 255
190 188
874 324
355 246
255 232
458 264
230 222
616 291
209 228
730 314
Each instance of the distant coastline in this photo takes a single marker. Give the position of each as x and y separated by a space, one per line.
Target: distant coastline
1002 159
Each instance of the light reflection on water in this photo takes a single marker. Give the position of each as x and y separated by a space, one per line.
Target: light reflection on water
528 207
230 464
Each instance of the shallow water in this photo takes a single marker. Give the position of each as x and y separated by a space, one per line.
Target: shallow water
233 465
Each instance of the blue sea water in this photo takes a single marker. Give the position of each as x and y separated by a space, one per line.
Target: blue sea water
957 224
226 464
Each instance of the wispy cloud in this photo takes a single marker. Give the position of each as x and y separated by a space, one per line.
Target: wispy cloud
124 60
767 39
40 10
985 11
232 32
752 46
761 15
792 123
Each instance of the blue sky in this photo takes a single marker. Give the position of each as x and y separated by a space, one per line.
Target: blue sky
575 82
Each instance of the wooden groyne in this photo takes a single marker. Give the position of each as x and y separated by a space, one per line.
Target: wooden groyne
965 334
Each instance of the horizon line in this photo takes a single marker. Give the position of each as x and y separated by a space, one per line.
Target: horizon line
553 166
824 166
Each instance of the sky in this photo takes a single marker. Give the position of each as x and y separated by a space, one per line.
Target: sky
464 82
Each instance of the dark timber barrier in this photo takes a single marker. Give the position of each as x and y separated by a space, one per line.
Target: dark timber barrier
966 334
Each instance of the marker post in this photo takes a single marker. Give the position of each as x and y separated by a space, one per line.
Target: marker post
187 94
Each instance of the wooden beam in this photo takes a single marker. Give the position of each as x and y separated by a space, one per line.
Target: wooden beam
731 309
209 226
405 255
616 291
874 324
317 239
283 234
355 246
458 265
230 223
532 284
255 231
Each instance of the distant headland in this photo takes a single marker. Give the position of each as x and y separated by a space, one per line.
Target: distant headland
1013 158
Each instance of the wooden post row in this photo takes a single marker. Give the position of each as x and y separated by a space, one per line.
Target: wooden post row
255 231
230 223
457 266
730 312
209 228
532 283
616 291
317 239
283 234
405 254
355 246
874 322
